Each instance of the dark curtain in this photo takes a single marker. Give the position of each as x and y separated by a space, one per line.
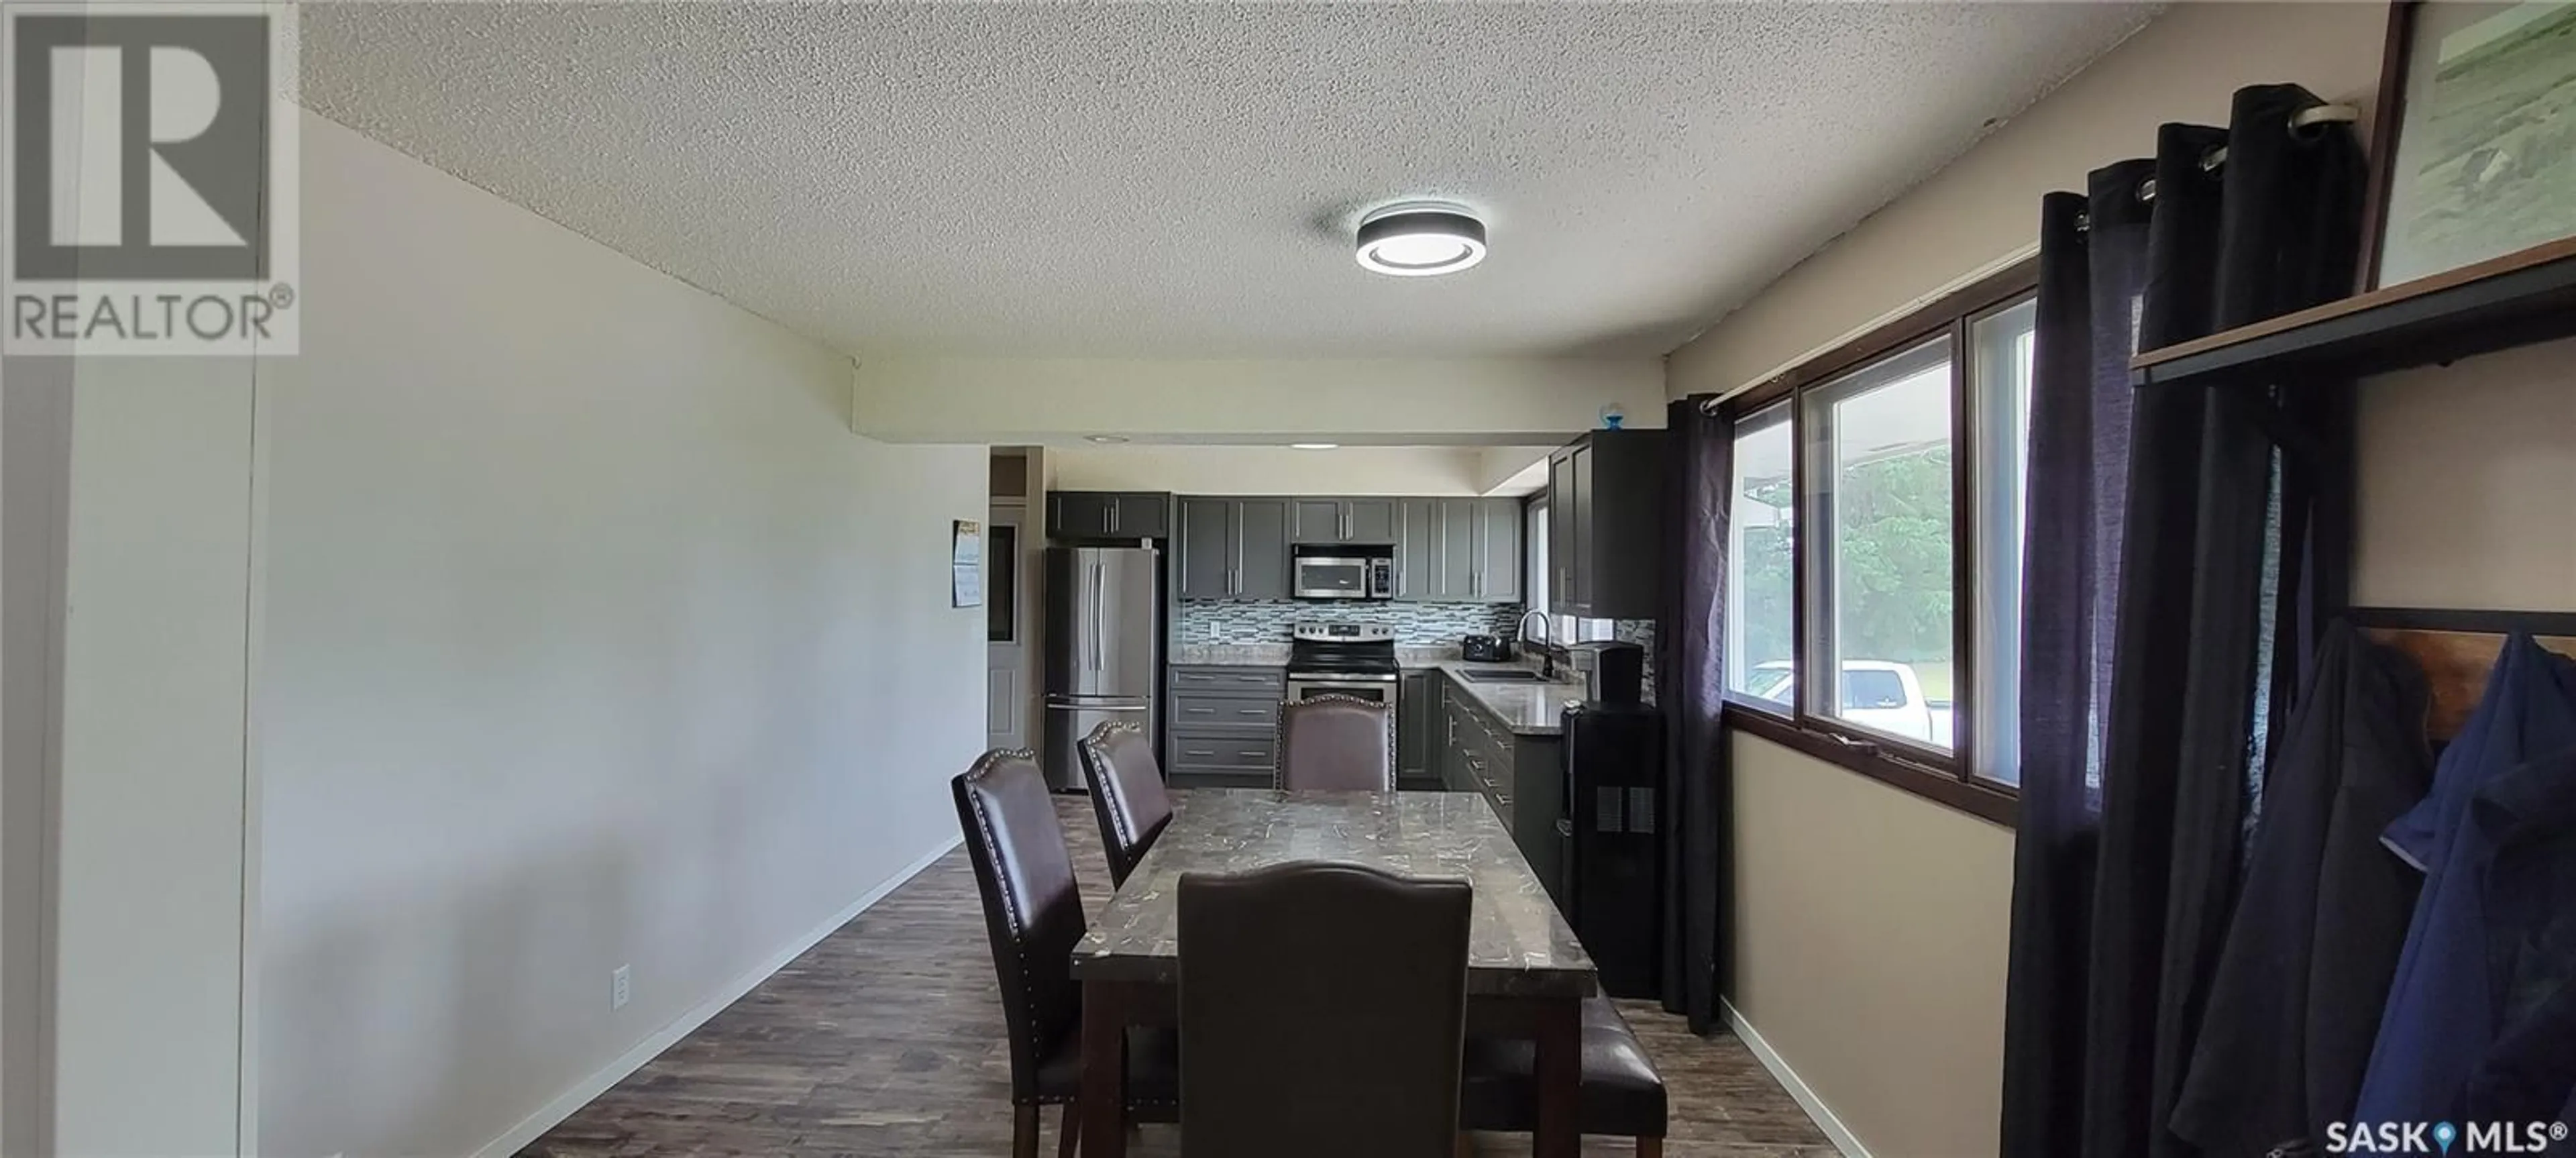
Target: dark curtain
2190 548
1690 687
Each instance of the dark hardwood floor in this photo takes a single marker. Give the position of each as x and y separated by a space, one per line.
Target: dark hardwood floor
886 1039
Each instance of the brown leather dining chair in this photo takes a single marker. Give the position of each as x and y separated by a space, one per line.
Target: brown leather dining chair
1336 743
1127 795
1033 915
1323 1007
1621 1096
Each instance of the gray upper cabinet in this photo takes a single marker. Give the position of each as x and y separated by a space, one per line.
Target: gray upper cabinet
1498 550
1261 549
1233 549
1459 550
1315 520
1204 559
1343 520
1605 525
1368 521
1108 515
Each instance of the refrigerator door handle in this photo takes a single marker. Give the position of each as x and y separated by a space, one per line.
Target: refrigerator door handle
1099 613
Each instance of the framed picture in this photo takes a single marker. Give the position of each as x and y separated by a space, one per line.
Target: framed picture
2474 152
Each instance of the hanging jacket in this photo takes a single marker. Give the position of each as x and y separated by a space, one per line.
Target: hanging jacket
2443 1005
2528 818
2323 913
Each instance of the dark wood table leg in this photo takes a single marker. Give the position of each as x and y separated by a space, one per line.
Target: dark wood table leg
1104 1069
1559 1037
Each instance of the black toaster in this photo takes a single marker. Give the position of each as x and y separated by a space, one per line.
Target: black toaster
1484 649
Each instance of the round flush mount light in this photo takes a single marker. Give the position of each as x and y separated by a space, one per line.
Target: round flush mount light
1106 439
1420 238
1315 446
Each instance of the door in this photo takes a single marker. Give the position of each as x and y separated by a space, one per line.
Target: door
1102 629
1417 548
1205 554
1456 534
1260 536
1498 550
1561 502
1316 520
1578 565
1007 668
1146 516
1368 521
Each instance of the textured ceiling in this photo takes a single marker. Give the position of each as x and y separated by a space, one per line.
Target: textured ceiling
1182 179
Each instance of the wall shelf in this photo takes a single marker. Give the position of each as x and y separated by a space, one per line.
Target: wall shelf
2515 300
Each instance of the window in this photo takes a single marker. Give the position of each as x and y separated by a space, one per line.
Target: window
1534 571
1877 494
1761 581
1001 583
2000 345
1875 533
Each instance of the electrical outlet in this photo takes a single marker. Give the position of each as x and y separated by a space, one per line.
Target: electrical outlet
617 988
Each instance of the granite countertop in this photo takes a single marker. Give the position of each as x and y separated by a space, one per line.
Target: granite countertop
1231 655
1518 944
1526 709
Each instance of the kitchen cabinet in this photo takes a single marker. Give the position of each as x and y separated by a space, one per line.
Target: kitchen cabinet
1520 776
1233 549
1605 525
1459 551
1416 709
1343 520
1108 515
1223 726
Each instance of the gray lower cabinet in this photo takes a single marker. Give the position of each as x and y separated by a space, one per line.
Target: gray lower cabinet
1416 709
1233 549
1520 776
1223 726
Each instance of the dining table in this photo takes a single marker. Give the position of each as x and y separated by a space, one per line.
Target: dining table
1527 974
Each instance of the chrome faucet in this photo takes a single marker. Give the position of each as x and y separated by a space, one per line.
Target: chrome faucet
1547 658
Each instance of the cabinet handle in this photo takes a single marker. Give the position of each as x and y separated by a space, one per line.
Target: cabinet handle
1253 753
1198 751
1113 517
1200 711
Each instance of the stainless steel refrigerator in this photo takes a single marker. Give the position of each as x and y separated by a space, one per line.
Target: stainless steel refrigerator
1104 642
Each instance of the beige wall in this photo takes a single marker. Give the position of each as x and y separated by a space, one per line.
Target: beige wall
593 638
1870 933
2467 475
1982 212
1452 402
1871 926
1273 470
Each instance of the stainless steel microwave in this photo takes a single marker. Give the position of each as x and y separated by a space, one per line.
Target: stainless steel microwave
1342 572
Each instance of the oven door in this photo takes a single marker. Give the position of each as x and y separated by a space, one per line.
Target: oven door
1331 577
1374 688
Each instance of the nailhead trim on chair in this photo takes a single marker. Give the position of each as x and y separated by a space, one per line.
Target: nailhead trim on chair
1279 737
1095 754
982 767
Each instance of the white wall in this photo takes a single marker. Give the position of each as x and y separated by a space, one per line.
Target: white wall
1452 402
593 637
2475 461
1276 470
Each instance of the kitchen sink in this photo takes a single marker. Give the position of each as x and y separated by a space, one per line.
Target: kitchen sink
1501 675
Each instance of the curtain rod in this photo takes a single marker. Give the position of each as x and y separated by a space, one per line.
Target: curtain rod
2306 118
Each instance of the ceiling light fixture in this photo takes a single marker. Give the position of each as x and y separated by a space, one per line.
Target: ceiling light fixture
1315 446
1420 238
1106 439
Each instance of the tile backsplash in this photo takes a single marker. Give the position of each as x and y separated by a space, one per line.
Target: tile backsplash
1267 620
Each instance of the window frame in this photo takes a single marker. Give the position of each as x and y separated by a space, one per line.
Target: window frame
1947 778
